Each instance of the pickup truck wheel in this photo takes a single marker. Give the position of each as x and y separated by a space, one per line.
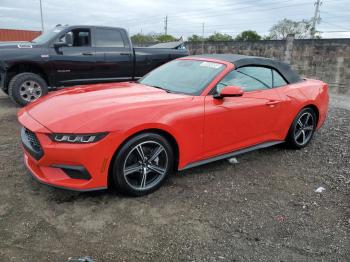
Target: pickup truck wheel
25 88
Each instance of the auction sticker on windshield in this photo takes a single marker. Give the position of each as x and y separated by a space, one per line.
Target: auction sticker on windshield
211 65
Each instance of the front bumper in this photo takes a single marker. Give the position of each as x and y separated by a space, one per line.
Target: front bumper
56 177
80 167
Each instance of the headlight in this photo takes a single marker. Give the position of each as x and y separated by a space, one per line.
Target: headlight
77 138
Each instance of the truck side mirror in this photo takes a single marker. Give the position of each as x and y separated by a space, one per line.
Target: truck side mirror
67 40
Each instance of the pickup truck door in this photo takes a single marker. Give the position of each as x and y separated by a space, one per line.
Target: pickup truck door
114 55
74 64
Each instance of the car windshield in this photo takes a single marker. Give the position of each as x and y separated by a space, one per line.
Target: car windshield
47 36
183 76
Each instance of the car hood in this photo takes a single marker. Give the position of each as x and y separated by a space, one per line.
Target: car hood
11 51
92 108
16 45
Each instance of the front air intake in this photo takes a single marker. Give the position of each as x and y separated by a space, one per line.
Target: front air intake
31 143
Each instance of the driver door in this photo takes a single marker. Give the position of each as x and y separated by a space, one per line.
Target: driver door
233 123
74 64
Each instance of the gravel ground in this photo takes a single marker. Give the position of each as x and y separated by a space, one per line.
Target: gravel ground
264 208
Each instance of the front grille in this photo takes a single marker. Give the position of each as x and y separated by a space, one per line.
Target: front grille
31 143
33 140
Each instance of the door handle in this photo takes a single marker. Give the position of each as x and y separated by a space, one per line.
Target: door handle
272 103
128 54
87 53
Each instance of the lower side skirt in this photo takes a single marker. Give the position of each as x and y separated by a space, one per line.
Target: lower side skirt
232 154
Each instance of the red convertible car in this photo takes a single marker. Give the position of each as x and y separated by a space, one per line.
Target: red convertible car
186 113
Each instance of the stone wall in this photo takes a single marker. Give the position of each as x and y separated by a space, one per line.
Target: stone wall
325 59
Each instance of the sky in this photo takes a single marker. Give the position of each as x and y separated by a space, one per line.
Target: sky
185 17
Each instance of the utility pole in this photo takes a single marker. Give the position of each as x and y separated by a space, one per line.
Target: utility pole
166 25
41 16
316 18
203 38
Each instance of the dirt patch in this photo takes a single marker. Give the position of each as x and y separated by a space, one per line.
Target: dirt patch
264 208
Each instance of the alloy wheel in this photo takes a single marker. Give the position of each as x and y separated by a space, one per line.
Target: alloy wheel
304 129
145 165
30 90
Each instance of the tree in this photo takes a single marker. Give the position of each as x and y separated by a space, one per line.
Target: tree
220 37
195 38
300 29
248 35
165 38
141 38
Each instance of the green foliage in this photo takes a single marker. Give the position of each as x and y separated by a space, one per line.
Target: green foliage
195 38
248 35
165 38
141 38
220 37
151 38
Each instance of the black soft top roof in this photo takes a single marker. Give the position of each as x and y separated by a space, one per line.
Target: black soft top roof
243 60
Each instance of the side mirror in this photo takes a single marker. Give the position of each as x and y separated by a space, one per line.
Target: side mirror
229 91
68 40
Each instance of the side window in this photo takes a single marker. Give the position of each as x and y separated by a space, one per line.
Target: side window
261 74
278 80
108 38
81 37
249 78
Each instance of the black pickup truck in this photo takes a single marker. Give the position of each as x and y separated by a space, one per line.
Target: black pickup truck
75 55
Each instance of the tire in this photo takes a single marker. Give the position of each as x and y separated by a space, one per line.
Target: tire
302 129
25 88
155 163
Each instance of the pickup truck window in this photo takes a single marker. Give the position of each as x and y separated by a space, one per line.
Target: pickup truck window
108 38
81 37
183 76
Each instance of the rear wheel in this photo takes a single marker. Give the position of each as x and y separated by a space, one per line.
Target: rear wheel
143 164
25 88
302 128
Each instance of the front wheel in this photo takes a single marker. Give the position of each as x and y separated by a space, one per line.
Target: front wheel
302 128
25 88
143 164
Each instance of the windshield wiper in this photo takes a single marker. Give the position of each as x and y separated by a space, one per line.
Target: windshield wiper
159 87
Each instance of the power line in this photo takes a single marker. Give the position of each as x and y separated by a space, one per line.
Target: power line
230 11
226 11
256 22
338 26
335 31
187 13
